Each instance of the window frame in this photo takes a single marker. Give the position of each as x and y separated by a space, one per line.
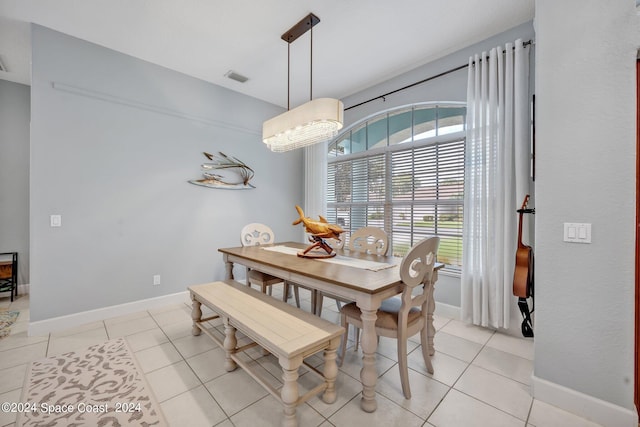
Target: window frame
387 204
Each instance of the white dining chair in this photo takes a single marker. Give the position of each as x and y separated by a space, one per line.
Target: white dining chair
370 240
404 316
256 234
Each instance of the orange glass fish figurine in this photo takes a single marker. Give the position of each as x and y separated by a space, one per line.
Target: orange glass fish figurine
319 231
319 228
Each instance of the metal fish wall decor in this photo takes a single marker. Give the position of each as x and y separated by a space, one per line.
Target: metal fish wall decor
225 172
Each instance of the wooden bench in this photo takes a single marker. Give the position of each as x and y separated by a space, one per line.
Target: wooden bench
285 331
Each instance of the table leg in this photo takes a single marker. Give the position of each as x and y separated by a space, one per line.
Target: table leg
228 265
431 308
369 374
196 315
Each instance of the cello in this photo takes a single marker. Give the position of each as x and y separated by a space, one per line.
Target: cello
523 274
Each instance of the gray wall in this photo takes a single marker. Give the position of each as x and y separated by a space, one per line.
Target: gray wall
14 173
586 148
450 87
113 142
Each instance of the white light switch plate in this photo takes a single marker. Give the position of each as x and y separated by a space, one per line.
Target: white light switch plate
576 232
55 220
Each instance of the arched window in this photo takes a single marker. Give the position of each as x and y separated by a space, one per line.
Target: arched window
402 170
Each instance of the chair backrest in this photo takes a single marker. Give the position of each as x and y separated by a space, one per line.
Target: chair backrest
371 240
255 234
416 269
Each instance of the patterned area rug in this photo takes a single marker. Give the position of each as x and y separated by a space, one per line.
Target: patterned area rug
100 386
7 318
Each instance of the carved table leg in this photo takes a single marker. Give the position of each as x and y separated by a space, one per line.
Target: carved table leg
228 265
230 343
431 308
330 371
196 315
368 374
289 391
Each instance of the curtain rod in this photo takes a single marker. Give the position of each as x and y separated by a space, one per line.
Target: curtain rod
444 73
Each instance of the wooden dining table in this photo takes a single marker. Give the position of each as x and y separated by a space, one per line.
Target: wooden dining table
363 278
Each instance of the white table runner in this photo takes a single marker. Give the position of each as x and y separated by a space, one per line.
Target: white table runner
338 259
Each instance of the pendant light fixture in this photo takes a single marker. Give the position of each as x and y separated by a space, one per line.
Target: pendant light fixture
315 121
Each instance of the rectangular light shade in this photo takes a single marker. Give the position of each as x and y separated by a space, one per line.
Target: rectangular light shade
316 121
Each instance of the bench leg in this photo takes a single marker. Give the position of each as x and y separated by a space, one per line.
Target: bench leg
289 391
196 315
230 344
330 371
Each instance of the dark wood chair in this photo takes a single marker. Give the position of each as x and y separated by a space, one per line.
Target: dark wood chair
9 273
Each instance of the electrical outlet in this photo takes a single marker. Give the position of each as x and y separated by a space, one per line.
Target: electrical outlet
156 280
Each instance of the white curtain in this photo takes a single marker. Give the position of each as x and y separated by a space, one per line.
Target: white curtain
496 180
315 179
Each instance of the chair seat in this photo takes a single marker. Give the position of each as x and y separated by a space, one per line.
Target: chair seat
263 278
387 313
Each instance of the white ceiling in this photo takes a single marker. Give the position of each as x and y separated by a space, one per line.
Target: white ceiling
357 44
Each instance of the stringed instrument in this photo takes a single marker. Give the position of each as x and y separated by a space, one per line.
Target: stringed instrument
523 273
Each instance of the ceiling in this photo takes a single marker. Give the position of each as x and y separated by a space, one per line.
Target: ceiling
357 44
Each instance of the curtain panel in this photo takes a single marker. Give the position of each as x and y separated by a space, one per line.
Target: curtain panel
497 156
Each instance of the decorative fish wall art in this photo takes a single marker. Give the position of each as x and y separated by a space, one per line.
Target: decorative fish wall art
225 172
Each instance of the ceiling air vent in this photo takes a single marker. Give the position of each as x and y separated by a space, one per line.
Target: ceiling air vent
235 76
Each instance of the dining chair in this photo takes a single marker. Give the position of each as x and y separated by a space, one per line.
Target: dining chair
9 273
404 316
256 234
371 240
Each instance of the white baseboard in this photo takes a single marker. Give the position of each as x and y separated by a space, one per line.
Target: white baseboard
597 410
446 310
44 327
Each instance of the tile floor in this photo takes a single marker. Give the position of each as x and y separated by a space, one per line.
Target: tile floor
481 378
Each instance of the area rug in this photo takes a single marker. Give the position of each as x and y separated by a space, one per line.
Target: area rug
7 318
99 386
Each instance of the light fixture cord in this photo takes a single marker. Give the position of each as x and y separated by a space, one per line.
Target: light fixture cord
311 65
288 74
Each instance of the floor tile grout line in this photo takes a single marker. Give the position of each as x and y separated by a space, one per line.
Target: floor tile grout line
183 359
473 397
529 412
228 417
457 379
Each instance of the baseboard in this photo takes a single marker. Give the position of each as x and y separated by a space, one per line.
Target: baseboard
55 324
446 310
594 409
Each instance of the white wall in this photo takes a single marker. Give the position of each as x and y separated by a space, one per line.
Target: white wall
114 141
586 147
14 174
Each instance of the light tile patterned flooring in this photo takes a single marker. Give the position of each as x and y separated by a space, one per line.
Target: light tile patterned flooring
481 377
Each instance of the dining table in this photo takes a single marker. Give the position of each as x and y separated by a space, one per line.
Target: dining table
367 279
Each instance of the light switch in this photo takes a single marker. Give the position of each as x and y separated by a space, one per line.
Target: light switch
582 232
577 232
56 220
